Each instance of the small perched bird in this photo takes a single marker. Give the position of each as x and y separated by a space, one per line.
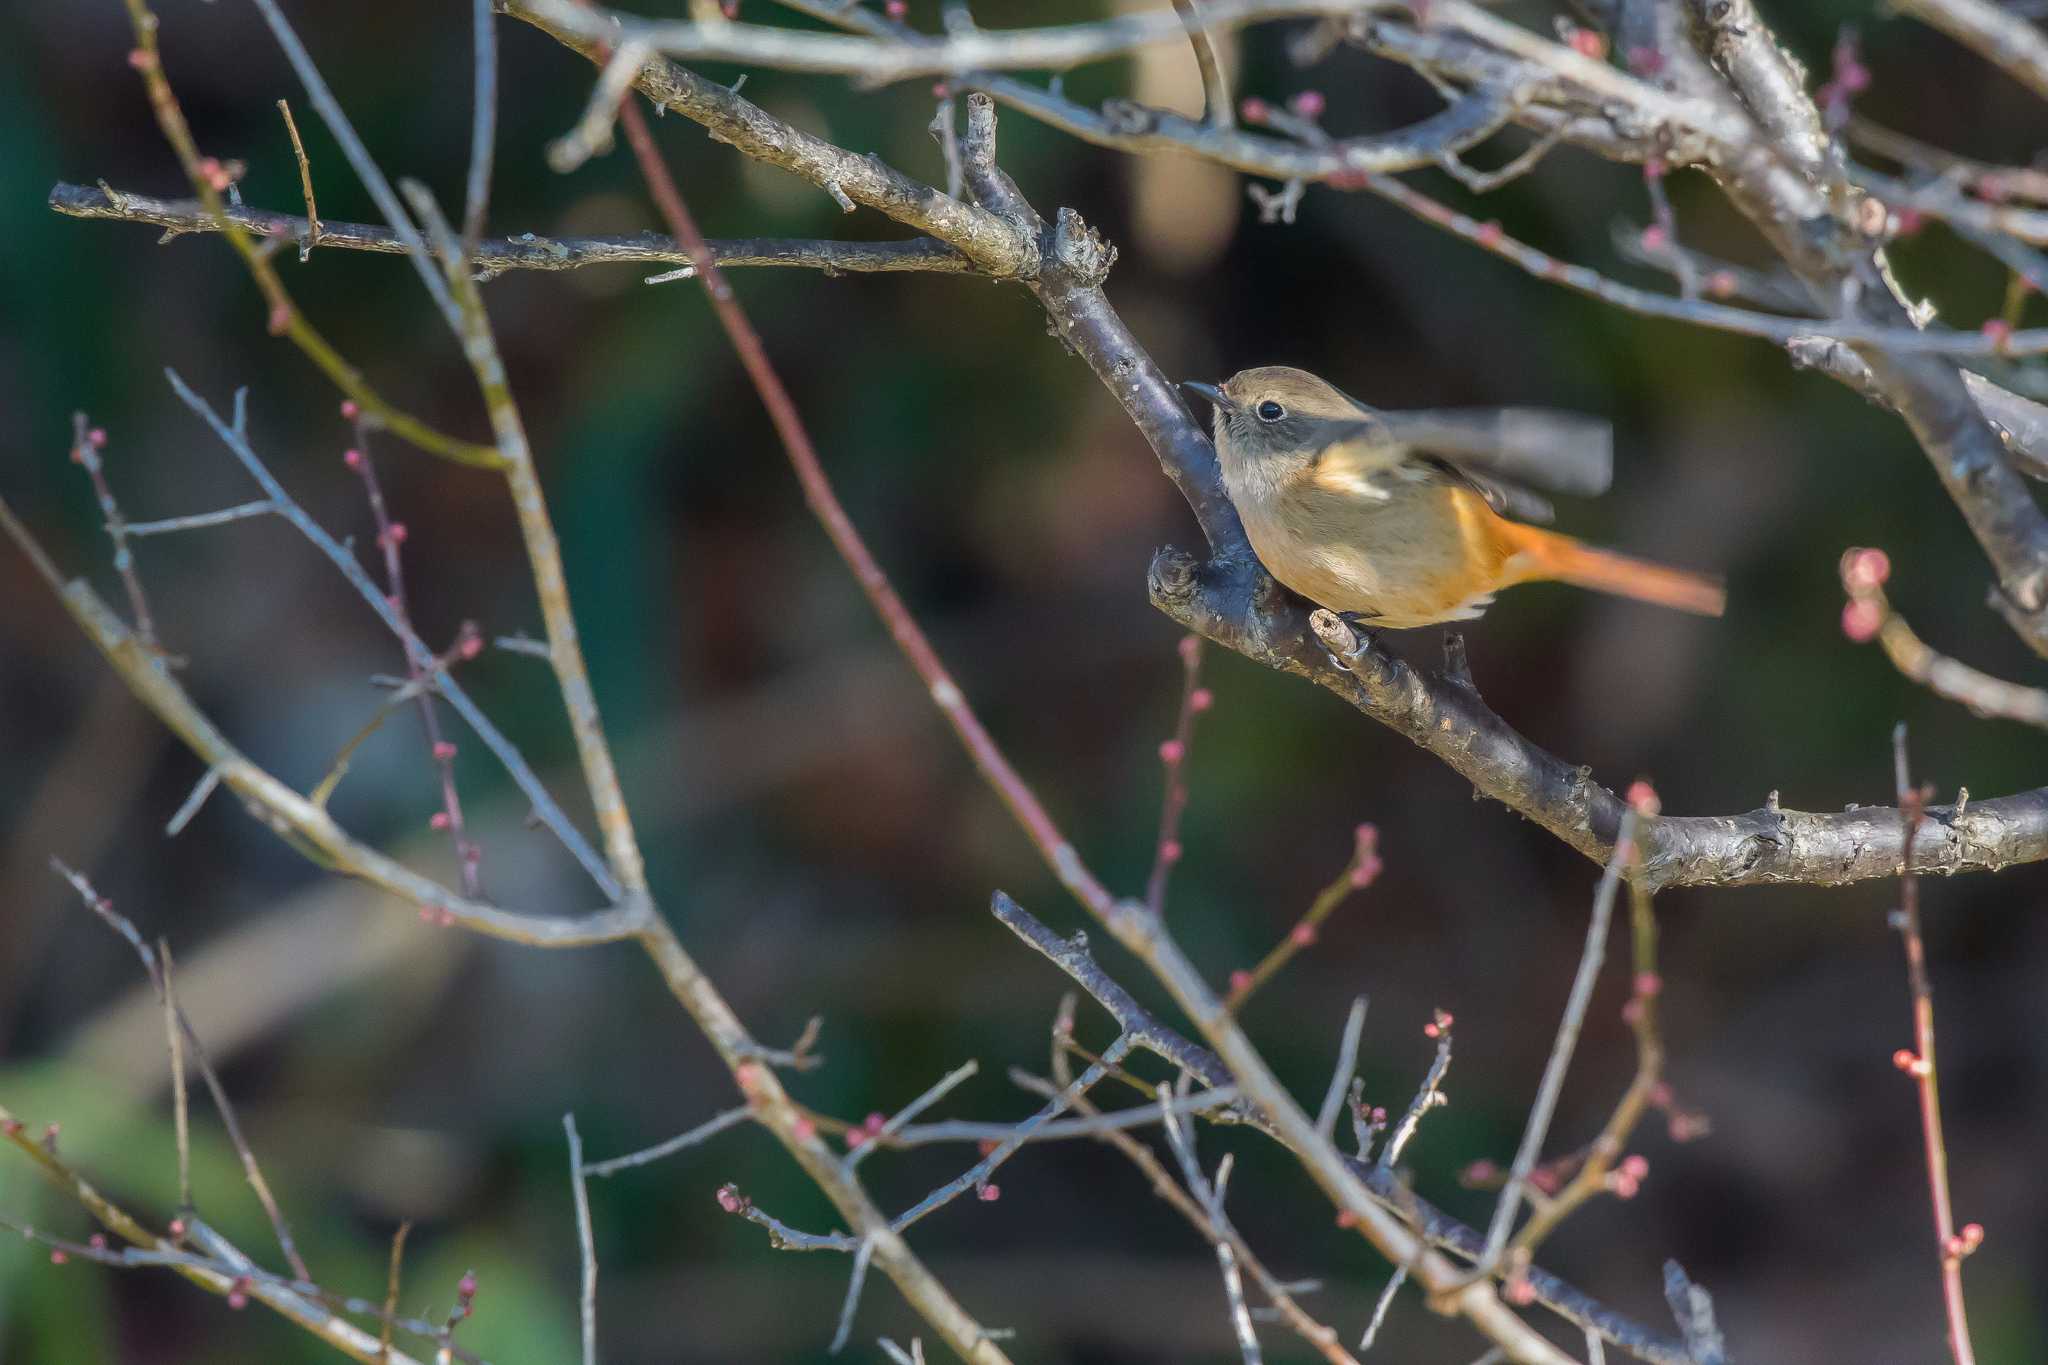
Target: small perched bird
1402 519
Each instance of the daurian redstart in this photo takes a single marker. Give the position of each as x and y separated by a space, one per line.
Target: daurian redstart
1403 519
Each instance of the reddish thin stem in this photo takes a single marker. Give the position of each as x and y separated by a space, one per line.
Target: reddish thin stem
1359 873
803 456
390 536
1950 1248
85 447
1173 757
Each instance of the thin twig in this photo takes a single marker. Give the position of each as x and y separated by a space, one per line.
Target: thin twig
708 1129
1216 110
1173 757
251 1170
861 1257
1537 1127
1950 1246
180 1109
311 238
1347 1066
391 1282
527 251
209 180
483 130
586 1243
894 1124
86 443
1870 614
1357 874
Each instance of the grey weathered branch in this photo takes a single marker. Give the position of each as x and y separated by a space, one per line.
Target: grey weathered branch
881 60
1144 1029
1991 30
994 245
528 251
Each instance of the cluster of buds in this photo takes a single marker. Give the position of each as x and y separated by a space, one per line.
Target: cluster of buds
1864 572
1439 1025
867 1131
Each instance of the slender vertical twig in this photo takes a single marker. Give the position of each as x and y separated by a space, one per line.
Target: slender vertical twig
312 237
86 443
1951 1246
1538 1126
483 130
585 1241
1173 758
180 1105
1216 111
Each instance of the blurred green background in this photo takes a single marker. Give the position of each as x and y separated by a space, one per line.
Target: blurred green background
814 831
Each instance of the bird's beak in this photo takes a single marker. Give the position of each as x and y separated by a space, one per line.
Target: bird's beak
1210 392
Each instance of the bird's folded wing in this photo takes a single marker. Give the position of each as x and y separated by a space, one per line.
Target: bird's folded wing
1559 452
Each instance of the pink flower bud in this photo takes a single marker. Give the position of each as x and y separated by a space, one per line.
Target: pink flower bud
443 750
1518 1291
1643 798
141 60
1346 1218
1172 751
397 533
1906 222
1997 331
1655 238
58 1256
1645 61
1170 851
803 1129
876 1122
730 1199
352 457
97 438
1490 233
1649 984
1190 648
465 1288
1254 110
988 1194
1588 43
1240 981
1302 935
438 820
1479 1174
177 1229
1636 1166
1861 620
349 410
1309 104
1200 700
896 9
98 1241
280 320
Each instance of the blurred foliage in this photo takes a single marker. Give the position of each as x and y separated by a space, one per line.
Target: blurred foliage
814 832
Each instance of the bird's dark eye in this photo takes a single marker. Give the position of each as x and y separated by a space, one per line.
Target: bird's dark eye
1269 411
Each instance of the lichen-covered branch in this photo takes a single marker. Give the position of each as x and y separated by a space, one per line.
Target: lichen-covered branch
528 251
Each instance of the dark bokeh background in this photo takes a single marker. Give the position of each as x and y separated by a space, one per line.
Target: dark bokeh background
814 831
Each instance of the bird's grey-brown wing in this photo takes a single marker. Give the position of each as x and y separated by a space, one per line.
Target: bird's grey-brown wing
1558 452
1364 458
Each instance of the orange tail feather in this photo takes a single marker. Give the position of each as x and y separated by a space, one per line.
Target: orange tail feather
1547 555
